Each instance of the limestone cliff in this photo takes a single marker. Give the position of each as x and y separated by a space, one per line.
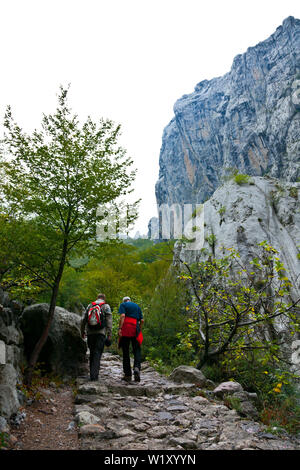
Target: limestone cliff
241 217
248 119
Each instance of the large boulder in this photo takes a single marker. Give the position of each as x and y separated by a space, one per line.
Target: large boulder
64 351
10 332
227 388
188 374
247 402
11 356
9 401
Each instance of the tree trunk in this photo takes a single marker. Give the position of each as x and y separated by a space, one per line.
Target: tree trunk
204 359
39 345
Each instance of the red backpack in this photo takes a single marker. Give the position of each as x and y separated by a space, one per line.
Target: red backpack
96 317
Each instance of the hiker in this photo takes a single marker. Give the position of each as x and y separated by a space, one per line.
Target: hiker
97 321
130 331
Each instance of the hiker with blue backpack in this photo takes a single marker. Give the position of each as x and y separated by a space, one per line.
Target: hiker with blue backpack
97 322
130 332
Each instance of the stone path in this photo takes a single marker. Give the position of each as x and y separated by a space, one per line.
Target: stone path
157 414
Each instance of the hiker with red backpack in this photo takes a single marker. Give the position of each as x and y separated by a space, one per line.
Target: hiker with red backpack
130 332
97 321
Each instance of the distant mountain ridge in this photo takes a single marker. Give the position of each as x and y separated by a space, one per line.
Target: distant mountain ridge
248 119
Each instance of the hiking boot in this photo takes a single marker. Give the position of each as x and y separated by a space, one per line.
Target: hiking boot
137 377
127 378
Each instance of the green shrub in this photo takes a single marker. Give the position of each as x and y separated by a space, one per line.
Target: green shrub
164 320
215 372
232 402
276 389
294 192
222 210
282 413
240 179
211 239
4 440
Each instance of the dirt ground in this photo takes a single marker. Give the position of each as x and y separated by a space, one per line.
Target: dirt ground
48 424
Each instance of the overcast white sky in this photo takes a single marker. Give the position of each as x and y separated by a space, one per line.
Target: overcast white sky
127 60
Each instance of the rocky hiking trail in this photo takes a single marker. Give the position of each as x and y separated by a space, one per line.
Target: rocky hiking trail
154 414
158 414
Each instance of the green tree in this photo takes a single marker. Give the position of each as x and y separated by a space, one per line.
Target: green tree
232 309
166 318
14 238
117 269
56 178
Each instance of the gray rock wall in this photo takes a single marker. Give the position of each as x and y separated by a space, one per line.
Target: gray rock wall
11 356
240 217
248 119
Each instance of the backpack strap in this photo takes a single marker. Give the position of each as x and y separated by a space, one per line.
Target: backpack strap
96 303
101 305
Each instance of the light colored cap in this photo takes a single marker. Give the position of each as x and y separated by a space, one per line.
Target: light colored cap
125 299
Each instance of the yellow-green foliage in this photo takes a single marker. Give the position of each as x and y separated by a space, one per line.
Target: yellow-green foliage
115 269
240 179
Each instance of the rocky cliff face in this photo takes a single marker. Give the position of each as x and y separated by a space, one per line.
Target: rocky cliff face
248 119
241 217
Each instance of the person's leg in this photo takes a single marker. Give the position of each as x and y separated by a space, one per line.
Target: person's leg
97 344
137 359
126 357
91 346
